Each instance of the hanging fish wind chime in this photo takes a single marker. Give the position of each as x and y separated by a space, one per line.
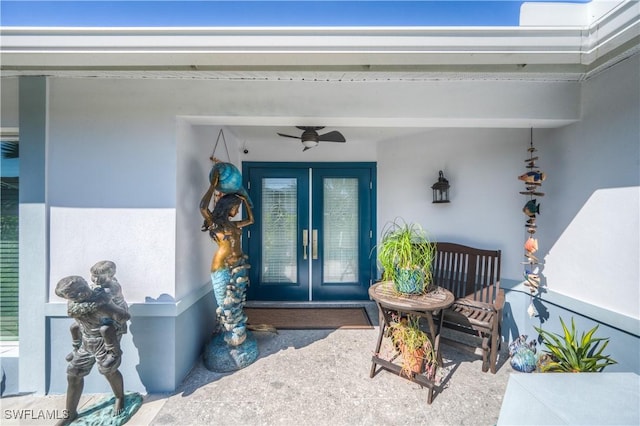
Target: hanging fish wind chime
532 179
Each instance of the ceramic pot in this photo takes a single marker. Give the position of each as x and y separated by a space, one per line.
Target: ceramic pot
409 281
412 360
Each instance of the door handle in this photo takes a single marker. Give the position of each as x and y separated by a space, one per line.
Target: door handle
314 244
305 243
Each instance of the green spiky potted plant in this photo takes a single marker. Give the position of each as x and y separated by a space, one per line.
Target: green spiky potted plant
414 345
406 254
567 353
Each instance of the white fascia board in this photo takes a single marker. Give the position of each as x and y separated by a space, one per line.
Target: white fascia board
94 47
601 9
273 47
467 39
606 24
612 30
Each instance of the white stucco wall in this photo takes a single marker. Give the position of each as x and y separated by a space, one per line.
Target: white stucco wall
111 184
194 248
590 225
481 165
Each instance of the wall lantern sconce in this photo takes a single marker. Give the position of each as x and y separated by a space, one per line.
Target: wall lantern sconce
441 189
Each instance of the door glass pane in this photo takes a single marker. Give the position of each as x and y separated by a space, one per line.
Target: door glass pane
340 244
279 230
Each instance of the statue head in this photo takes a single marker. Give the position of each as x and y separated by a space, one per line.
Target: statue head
74 288
104 267
226 208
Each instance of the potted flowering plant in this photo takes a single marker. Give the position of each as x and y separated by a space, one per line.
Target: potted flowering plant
414 345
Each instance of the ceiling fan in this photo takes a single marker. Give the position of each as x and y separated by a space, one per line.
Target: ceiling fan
310 137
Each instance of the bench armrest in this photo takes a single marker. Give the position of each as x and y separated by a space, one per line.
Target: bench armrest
499 303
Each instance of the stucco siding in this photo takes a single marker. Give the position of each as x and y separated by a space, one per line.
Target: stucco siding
590 221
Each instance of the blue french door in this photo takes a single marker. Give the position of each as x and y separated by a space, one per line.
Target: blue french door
313 231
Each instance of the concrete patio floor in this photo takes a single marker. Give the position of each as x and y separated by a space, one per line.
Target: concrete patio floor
313 377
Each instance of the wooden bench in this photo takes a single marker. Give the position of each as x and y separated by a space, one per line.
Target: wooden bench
473 276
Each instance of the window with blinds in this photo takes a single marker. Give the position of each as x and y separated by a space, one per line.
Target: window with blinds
340 216
9 250
279 230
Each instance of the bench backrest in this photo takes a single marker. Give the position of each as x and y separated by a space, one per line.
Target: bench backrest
467 271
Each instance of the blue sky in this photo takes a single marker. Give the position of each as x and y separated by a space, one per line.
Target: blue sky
151 13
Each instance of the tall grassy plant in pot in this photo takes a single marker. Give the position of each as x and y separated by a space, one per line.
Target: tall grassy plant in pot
406 254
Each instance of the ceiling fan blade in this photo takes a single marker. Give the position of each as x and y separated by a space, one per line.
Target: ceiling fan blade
308 147
289 136
332 137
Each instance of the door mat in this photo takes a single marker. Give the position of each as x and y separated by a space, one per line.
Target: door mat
309 318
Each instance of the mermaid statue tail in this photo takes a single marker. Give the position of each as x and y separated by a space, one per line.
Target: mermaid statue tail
220 279
229 289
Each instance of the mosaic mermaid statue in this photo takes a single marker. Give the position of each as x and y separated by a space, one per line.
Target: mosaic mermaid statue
229 266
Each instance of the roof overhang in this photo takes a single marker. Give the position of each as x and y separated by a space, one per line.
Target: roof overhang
572 50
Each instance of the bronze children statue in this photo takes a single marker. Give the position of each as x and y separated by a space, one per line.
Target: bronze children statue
100 316
103 277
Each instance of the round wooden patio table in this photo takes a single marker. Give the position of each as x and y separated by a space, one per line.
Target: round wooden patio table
416 305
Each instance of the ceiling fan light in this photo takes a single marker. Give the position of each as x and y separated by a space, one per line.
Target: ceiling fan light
309 143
